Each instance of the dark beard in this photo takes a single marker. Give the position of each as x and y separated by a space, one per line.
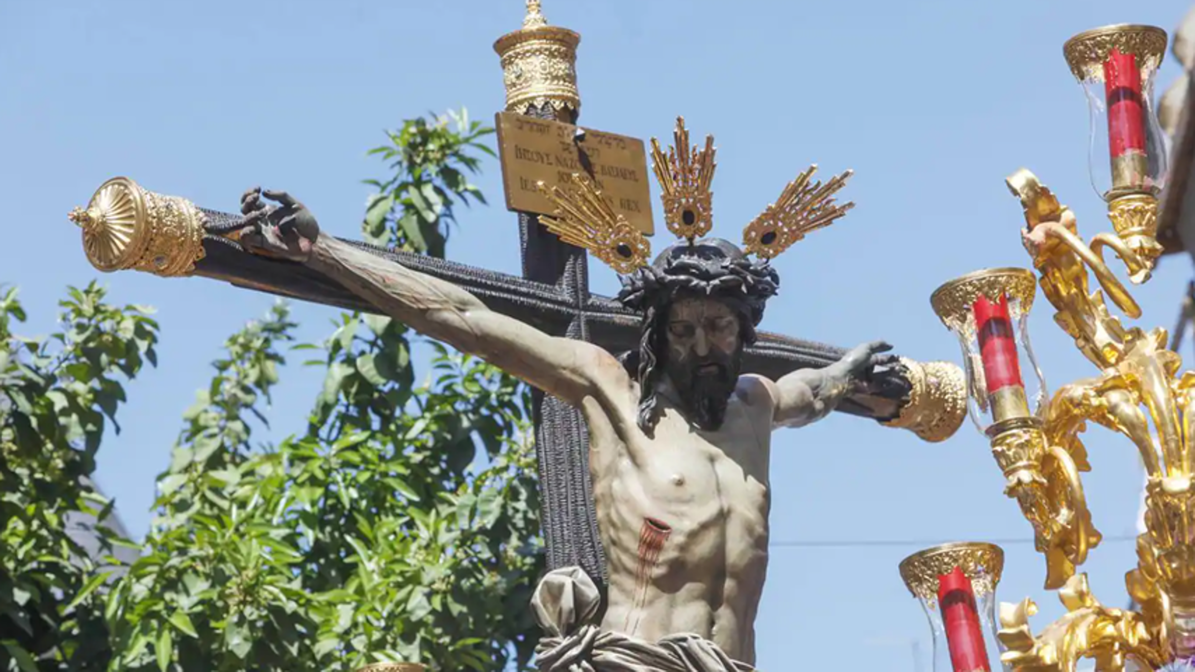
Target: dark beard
705 397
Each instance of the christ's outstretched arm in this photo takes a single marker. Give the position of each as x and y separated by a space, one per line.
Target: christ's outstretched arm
808 395
565 368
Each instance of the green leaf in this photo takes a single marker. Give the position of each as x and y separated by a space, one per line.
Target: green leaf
377 209
333 381
165 648
88 588
418 606
237 640
183 622
403 487
169 484
408 224
24 661
419 200
435 200
368 369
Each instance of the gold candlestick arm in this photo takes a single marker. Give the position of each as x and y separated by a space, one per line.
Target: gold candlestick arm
1139 389
1041 477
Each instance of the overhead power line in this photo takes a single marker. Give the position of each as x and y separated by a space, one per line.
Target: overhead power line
924 543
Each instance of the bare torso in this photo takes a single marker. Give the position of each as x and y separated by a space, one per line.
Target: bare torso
684 518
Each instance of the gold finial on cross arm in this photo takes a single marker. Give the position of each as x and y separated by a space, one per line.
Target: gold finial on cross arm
128 227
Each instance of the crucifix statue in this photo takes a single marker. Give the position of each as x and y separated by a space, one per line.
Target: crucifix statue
653 409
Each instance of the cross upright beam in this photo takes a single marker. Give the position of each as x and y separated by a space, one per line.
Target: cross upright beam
539 68
568 518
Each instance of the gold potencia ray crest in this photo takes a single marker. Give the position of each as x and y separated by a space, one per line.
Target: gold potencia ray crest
584 218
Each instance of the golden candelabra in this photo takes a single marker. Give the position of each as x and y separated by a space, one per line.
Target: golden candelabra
1036 437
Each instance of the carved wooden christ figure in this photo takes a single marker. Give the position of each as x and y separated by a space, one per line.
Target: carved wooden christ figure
679 439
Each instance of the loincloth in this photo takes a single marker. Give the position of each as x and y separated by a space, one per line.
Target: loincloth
565 604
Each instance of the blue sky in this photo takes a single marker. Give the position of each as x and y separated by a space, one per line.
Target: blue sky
932 104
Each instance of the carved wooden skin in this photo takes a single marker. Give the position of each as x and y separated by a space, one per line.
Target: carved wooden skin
683 513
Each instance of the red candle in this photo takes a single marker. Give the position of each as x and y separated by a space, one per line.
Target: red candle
960 616
1126 118
997 347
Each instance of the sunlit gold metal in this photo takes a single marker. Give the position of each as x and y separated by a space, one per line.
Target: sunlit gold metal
937 402
685 175
539 64
584 218
980 562
1087 630
1086 52
953 301
1042 478
1009 402
1135 220
1140 393
801 208
127 227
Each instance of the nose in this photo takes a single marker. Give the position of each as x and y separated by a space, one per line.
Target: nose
701 345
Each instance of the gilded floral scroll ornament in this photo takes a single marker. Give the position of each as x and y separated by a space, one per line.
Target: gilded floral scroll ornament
1087 630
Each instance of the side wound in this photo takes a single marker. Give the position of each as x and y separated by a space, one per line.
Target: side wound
652 535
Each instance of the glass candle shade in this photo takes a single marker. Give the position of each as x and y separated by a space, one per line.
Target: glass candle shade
956 586
988 312
1116 66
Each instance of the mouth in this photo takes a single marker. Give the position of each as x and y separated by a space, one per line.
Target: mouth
708 370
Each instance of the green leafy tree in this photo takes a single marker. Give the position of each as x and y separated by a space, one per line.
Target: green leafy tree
371 536
57 395
431 163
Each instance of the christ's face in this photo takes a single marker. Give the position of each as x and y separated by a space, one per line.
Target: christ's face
701 331
703 356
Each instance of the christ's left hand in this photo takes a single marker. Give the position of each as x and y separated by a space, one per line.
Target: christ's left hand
861 362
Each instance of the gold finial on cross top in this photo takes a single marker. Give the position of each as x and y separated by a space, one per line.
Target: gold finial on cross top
535 17
539 64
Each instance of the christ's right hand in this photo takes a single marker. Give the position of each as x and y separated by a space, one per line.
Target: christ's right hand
287 230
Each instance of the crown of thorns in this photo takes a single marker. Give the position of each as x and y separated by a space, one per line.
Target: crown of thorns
712 267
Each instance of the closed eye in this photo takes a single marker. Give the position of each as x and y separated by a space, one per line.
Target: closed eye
682 329
724 323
